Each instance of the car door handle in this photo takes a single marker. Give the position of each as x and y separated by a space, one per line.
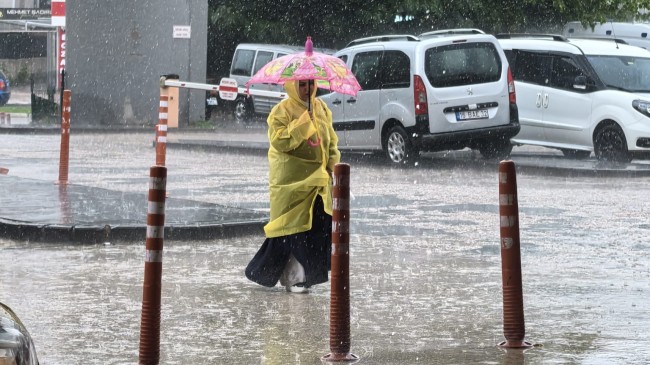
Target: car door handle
538 102
351 101
336 102
545 103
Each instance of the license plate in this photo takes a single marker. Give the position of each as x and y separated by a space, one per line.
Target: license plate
213 101
472 114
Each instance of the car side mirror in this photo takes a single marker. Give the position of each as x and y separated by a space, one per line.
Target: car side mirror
580 82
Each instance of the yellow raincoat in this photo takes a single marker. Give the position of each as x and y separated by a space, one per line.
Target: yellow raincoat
299 169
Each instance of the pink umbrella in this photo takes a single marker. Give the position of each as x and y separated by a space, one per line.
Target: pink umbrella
330 72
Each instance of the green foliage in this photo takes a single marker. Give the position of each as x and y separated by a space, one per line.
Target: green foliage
15 108
22 76
202 124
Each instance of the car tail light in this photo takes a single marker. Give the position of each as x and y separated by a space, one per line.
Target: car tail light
511 88
420 96
2 84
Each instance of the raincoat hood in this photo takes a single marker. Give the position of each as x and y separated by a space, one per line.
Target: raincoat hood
291 87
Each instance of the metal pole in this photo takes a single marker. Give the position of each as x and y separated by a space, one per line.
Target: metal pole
513 303
152 286
64 155
340 277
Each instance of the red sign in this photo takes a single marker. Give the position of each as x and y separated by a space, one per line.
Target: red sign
60 56
58 12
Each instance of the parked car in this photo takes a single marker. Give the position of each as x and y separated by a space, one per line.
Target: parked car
247 60
5 90
442 90
635 34
581 95
16 344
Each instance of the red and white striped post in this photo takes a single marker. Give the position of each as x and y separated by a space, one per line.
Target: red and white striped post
64 155
514 329
152 287
340 278
161 128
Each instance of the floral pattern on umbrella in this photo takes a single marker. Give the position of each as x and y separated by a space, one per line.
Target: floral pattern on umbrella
329 72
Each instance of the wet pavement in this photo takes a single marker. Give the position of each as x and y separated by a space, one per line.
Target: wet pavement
36 210
425 277
47 211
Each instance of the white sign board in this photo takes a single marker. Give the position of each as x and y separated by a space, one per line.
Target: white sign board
182 31
228 89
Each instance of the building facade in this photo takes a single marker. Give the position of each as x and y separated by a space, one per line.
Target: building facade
115 53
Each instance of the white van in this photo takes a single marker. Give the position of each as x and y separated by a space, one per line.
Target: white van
635 34
446 90
247 60
581 95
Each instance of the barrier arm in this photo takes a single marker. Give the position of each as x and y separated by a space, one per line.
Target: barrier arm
227 88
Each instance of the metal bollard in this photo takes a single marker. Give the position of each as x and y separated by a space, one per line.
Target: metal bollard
340 286
161 130
2 118
64 155
513 303
8 120
151 289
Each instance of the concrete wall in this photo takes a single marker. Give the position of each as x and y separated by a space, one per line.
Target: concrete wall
117 51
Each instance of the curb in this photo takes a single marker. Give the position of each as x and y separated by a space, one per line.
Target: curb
81 234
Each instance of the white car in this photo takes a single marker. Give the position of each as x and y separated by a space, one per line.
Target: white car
246 61
442 90
581 95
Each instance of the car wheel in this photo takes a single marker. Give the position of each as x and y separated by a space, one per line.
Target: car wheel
398 147
500 149
576 154
242 110
610 144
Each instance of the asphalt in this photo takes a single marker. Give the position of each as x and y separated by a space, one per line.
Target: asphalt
35 210
45 211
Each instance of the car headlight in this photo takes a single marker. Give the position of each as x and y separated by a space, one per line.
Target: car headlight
642 107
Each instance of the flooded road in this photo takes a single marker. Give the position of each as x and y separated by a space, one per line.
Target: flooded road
425 266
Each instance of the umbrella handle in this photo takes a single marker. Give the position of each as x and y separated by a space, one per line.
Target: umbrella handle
313 144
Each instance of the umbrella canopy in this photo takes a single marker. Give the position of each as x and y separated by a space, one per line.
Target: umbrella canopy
329 72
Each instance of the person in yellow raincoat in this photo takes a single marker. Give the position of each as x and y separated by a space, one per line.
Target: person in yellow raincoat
302 154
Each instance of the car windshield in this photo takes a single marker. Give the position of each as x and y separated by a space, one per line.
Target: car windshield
622 72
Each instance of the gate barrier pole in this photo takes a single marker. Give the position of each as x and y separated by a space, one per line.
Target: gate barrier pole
513 303
64 155
340 285
151 289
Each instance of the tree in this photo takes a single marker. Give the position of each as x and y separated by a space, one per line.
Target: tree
333 23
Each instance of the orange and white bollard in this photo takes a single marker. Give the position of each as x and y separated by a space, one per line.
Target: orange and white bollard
161 129
64 155
340 277
153 259
514 329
